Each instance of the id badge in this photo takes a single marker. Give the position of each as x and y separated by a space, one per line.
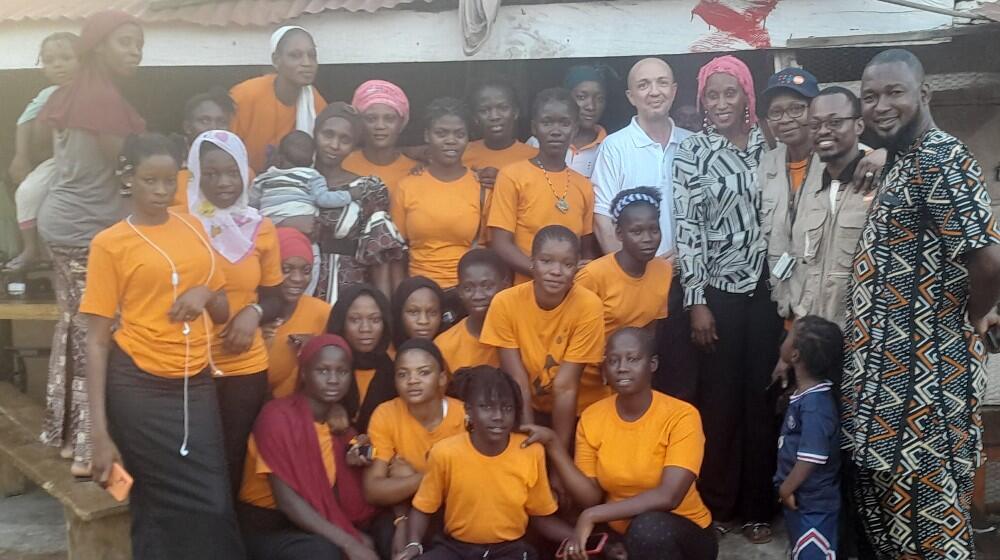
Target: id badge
783 268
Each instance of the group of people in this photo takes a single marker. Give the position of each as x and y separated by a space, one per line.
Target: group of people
306 341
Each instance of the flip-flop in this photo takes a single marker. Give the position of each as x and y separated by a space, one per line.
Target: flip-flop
757 533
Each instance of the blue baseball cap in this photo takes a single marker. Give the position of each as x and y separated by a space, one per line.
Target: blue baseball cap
793 79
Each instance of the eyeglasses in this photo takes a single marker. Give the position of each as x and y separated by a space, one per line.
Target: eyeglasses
793 112
832 124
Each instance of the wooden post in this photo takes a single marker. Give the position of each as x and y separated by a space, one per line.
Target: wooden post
104 538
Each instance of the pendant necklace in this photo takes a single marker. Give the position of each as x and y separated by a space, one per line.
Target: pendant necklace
562 204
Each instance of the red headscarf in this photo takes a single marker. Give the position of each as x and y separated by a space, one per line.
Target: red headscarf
287 441
734 67
294 243
91 101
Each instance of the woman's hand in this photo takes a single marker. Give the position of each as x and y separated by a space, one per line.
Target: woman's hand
576 549
703 328
487 176
399 538
362 550
354 457
238 334
869 171
269 330
407 553
190 305
104 455
400 468
539 434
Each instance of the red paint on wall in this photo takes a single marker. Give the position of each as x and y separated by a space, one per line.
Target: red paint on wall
742 20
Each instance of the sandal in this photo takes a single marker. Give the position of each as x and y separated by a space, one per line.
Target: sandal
720 529
757 533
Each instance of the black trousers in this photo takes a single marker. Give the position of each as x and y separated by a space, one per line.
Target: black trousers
447 548
656 535
678 373
240 400
291 545
180 505
737 409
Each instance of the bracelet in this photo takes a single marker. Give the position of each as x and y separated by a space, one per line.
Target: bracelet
398 520
420 547
256 307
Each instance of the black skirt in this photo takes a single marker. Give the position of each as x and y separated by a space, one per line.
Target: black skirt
181 505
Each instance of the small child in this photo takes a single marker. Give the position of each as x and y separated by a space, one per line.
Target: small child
291 192
808 461
59 63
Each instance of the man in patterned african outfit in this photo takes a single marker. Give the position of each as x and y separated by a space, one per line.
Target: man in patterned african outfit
923 291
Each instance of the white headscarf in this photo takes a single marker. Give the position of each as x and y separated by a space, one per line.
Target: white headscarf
305 107
232 231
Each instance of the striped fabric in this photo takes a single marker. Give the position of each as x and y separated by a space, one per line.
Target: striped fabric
716 212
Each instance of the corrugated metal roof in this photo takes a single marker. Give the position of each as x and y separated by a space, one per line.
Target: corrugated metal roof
208 13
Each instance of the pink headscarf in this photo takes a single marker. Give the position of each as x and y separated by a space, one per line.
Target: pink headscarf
380 91
734 67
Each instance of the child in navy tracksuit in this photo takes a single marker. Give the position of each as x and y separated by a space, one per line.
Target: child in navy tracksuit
808 452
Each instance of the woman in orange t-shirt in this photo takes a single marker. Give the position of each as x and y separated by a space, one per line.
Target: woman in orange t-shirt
301 316
247 248
385 111
269 107
495 108
362 317
358 244
638 454
403 430
542 191
440 212
416 310
152 400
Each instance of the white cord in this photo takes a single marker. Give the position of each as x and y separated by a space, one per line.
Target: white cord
175 281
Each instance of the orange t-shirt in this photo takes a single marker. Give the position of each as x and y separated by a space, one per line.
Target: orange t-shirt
364 378
797 173
262 120
262 267
309 317
460 349
256 488
440 221
523 203
572 332
628 458
126 275
390 174
394 431
478 156
486 500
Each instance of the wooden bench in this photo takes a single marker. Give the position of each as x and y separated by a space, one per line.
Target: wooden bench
97 526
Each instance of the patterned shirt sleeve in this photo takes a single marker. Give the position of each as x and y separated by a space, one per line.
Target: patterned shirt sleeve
690 225
958 201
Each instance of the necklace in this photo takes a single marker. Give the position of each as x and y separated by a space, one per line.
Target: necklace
562 204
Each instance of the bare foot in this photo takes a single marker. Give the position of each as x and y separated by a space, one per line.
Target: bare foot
66 452
80 469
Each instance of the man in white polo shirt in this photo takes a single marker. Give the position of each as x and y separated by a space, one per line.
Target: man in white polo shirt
642 155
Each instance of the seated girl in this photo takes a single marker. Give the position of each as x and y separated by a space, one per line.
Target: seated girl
360 317
416 310
547 330
489 481
638 454
403 430
481 275
301 497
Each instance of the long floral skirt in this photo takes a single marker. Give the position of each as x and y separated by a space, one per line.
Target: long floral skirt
67 418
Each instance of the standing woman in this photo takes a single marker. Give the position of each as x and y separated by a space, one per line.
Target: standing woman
440 211
90 120
589 87
542 191
269 107
211 110
301 315
416 310
358 244
361 316
153 285
385 110
496 108
248 254
734 323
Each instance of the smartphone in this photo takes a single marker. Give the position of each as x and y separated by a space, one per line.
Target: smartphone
119 483
595 545
365 450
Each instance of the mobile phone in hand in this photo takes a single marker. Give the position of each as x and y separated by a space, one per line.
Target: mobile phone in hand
119 483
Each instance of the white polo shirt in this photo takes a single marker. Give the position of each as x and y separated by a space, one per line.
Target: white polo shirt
629 158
